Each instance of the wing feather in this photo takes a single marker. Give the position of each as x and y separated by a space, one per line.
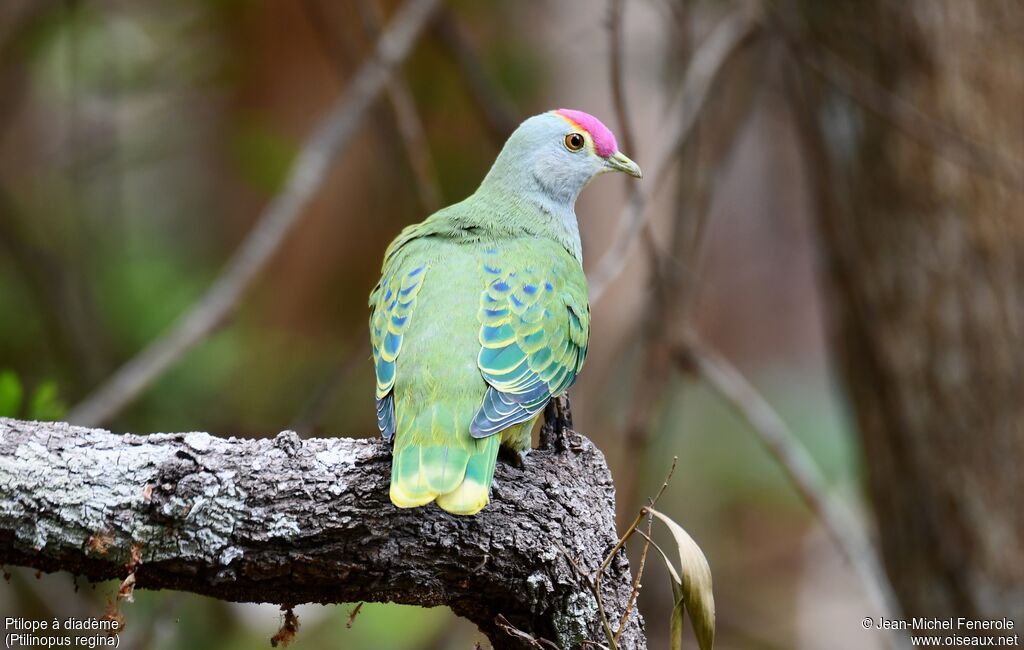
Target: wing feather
534 328
392 304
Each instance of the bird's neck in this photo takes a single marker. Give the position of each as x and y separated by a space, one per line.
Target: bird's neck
519 203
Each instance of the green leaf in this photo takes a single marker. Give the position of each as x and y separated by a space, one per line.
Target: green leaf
10 394
695 587
45 403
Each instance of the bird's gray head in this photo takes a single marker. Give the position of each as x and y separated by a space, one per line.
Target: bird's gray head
556 154
541 170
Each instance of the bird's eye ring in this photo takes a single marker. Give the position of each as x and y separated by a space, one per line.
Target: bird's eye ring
574 141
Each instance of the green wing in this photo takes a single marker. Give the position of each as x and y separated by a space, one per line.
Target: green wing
392 302
535 324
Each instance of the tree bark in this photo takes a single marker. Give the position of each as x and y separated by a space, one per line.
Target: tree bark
922 226
289 521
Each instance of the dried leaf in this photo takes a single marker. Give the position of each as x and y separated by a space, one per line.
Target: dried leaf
352 615
678 618
113 614
289 628
126 591
98 543
676 580
696 588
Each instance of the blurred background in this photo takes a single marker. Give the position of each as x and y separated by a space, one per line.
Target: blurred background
850 174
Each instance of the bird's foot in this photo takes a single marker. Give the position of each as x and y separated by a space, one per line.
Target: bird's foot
514 458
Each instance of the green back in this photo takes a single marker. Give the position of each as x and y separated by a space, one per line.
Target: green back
474 327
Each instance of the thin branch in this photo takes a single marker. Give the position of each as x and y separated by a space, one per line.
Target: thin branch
18 20
307 420
353 614
596 583
513 631
666 313
279 217
838 520
498 113
403 126
708 61
671 280
664 484
635 592
407 120
49 281
616 26
336 47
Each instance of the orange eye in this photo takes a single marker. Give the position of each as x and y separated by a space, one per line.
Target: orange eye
574 142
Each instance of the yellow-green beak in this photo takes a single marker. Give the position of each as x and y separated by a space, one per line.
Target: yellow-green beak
621 163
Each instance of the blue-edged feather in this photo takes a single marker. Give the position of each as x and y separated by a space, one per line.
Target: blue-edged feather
532 346
386 416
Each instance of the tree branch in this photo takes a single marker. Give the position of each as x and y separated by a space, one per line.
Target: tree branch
499 115
708 60
279 217
408 123
289 521
616 63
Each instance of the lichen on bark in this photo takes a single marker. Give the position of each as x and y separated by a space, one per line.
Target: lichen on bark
288 521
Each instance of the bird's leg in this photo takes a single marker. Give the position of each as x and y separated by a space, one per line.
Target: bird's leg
515 444
514 458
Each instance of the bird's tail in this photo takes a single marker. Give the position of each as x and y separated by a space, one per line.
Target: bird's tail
457 475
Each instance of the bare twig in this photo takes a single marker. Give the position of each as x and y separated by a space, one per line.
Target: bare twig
403 125
708 61
671 272
17 21
337 48
407 120
353 614
664 484
311 166
616 25
307 420
841 524
414 139
665 315
513 631
50 284
596 583
498 114
636 581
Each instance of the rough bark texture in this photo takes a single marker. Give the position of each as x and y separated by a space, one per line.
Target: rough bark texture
923 234
286 520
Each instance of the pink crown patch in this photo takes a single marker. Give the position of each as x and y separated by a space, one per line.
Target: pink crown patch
604 140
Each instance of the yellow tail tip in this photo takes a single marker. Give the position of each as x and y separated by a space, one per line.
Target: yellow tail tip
402 499
467 499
